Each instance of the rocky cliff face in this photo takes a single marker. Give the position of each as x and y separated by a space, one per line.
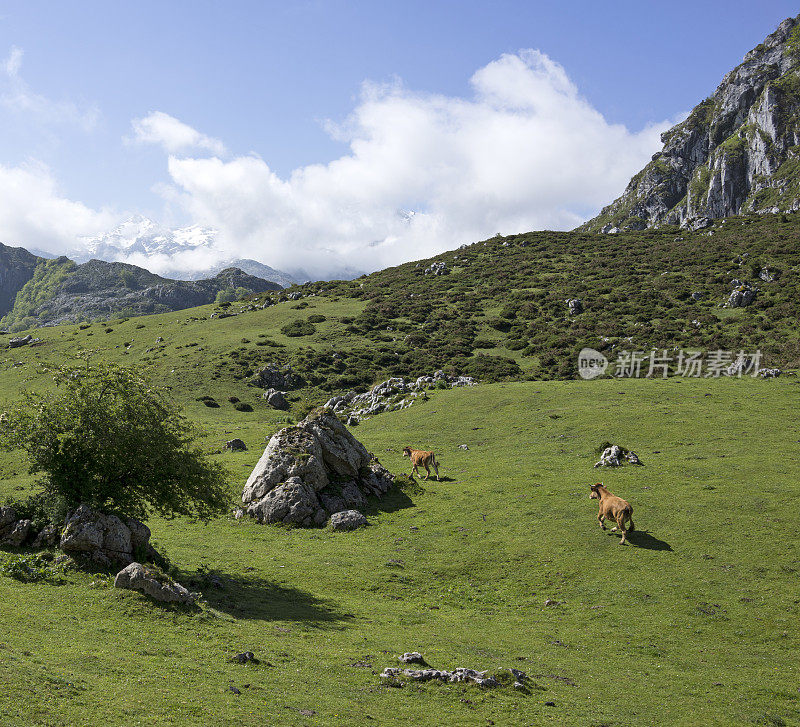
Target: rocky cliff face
737 152
16 269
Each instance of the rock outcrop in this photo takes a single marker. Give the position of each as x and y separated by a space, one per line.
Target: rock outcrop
17 267
102 538
614 456
737 152
311 471
392 395
149 581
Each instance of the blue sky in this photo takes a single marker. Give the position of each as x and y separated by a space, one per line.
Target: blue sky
266 81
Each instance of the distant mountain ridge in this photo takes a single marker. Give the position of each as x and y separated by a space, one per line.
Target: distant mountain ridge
737 152
40 291
139 238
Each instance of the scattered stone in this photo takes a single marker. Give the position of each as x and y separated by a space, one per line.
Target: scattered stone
238 513
276 399
741 296
439 268
246 657
463 446
348 520
575 306
48 537
235 445
413 657
272 377
769 373
234 690
697 295
614 456
152 583
766 275
460 674
311 470
391 395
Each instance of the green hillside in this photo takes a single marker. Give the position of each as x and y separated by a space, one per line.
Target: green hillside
696 623
498 313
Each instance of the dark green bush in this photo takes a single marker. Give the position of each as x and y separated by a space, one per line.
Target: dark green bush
298 328
109 438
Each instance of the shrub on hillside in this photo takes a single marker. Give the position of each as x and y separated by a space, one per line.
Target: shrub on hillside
108 438
298 328
491 368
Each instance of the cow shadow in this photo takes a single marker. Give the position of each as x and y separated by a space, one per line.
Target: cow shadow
643 539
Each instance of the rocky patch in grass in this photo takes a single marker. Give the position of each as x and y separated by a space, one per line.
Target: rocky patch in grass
392 395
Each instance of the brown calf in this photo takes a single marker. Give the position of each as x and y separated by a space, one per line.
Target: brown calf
614 508
419 457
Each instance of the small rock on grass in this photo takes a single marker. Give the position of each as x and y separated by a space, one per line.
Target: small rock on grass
347 520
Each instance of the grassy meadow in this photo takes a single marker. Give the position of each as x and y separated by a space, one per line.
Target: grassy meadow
694 623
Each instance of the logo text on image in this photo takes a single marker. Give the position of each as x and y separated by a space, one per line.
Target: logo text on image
591 363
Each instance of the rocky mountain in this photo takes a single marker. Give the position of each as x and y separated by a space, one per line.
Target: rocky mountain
737 152
251 267
16 269
61 291
139 239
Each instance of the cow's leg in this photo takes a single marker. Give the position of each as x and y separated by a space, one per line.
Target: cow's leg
427 470
600 519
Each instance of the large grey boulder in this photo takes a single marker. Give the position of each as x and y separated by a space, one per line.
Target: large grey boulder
137 577
292 503
103 538
311 470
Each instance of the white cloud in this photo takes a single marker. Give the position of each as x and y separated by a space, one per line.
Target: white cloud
525 152
173 135
17 96
34 214
13 62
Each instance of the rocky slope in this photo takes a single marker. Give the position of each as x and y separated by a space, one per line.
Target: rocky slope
16 269
737 152
59 291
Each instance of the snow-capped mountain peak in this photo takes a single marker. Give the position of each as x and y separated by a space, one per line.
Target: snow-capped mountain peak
140 235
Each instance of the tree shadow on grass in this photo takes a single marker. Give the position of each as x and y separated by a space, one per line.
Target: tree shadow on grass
252 597
643 539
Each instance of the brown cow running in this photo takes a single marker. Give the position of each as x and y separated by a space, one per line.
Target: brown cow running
614 508
419 457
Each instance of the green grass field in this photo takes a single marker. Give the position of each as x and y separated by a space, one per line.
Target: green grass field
694 623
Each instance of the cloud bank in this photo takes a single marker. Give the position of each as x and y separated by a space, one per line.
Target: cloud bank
424 173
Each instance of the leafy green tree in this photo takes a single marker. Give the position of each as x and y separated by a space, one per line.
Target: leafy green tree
108 438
